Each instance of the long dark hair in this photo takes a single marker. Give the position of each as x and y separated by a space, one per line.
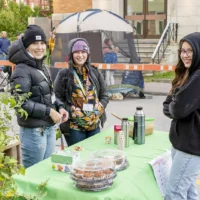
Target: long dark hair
181 72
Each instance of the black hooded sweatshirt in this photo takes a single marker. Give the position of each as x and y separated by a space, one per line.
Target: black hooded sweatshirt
31 80
183 107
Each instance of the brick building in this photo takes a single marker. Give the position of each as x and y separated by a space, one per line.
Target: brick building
43 4
149 17
68 6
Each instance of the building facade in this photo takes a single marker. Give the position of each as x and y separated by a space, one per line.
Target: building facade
45 5
149 17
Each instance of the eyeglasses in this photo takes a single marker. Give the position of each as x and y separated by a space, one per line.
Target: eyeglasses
188 52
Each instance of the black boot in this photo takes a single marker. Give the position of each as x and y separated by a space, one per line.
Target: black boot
141 95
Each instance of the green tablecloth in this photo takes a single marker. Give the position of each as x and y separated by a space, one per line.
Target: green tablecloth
137 182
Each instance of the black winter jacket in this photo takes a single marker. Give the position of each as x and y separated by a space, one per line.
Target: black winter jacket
183 107
31 80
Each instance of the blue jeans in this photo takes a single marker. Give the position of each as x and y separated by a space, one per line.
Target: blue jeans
181 183
36 146
76 136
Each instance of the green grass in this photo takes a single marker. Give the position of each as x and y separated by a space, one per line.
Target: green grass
160 76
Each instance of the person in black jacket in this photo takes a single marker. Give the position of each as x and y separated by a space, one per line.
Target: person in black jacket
182 105
82 88
37 132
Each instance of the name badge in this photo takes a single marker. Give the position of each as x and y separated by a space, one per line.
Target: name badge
53 98
88 107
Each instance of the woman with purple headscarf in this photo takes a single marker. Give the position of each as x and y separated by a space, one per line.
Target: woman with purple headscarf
82 89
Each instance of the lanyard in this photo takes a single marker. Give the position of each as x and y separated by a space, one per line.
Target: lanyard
81 85
42 73
79 82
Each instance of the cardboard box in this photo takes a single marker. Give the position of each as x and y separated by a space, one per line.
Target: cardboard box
62 160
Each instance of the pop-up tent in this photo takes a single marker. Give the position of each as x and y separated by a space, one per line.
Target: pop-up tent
95 25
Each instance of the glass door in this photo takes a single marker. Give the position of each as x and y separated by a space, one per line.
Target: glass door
148 17
134 13
155 18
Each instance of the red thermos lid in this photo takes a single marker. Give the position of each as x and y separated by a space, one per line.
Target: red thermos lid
117 128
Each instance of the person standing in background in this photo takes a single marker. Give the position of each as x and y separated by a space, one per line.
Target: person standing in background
4 44
51 42
109 56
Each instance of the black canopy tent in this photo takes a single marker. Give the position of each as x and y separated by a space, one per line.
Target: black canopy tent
95 25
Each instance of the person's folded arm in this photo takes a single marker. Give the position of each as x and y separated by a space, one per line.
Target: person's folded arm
186 100
166 106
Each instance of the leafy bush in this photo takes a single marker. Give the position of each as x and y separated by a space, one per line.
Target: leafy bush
14 18
8 165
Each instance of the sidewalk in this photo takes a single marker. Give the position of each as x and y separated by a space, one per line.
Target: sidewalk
157 88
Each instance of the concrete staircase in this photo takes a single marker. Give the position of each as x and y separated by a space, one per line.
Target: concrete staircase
144 48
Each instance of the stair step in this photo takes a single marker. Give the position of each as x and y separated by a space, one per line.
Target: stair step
144 48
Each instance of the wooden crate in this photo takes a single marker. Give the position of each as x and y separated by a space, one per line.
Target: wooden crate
13 150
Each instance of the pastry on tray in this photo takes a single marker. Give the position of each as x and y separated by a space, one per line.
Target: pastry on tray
93 174
94 186
77 148
117 156
93 170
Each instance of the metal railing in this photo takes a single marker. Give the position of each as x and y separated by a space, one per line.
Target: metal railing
169 35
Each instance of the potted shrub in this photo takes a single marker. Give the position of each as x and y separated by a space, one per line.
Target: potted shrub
9 166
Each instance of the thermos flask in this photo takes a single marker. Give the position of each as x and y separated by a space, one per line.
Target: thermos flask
125 128
139 126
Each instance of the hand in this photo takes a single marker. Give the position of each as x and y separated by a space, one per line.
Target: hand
64 114
55 116
116 49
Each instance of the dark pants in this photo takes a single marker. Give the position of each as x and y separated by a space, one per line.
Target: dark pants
76 136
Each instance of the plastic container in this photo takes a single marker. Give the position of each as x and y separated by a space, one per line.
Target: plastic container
94 174
149 126
117 156
97 186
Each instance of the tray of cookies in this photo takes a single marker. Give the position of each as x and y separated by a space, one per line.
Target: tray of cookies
117 156
93 174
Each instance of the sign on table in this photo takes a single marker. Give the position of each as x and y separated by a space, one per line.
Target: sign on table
161 167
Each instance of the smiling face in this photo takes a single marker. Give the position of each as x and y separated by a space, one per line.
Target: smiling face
3 34
80 58
186 54
37 49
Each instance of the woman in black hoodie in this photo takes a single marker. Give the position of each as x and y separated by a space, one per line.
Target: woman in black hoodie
182 105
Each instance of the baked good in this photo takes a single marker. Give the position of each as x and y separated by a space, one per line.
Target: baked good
102 185
93 169
117 156
77 148
93 174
